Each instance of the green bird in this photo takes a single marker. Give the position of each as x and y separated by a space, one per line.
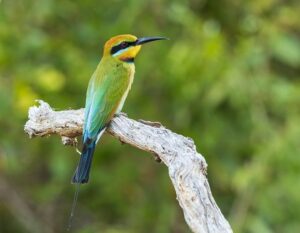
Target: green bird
106 94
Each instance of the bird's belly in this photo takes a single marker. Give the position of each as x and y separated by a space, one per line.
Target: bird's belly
122 101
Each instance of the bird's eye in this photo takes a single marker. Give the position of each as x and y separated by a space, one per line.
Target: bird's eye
124 45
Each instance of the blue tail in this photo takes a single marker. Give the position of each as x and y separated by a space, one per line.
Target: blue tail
83 170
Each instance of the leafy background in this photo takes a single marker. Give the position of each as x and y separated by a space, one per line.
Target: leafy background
228 78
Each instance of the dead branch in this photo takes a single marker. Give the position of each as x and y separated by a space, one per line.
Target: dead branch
187 168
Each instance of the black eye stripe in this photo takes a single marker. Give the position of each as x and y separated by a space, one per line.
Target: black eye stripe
122 45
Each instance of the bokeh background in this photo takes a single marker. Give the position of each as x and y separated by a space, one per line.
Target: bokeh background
228 78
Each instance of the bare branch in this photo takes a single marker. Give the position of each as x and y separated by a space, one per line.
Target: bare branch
187 168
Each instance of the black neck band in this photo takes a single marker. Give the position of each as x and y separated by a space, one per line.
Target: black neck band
128 59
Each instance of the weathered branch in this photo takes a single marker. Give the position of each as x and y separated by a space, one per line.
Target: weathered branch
187 168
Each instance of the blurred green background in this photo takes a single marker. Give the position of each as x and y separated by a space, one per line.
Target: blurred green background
228 78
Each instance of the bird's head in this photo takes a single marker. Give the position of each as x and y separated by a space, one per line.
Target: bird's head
126 47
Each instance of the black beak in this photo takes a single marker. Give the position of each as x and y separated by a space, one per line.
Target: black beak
144 40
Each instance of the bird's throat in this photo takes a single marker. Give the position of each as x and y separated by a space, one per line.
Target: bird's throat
127 59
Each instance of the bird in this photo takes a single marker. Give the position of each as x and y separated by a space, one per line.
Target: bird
106 93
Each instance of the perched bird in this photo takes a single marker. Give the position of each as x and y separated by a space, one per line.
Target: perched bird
106 94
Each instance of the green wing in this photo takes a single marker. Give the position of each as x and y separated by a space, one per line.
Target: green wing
105 91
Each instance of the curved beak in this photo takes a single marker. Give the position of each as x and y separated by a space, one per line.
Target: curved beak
144 40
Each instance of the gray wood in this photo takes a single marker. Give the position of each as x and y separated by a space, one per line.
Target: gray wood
187 168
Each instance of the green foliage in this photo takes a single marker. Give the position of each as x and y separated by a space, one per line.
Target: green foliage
229 78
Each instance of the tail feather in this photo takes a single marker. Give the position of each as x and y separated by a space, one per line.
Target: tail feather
83 170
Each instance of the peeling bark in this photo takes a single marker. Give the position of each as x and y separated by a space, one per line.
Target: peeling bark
187 168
